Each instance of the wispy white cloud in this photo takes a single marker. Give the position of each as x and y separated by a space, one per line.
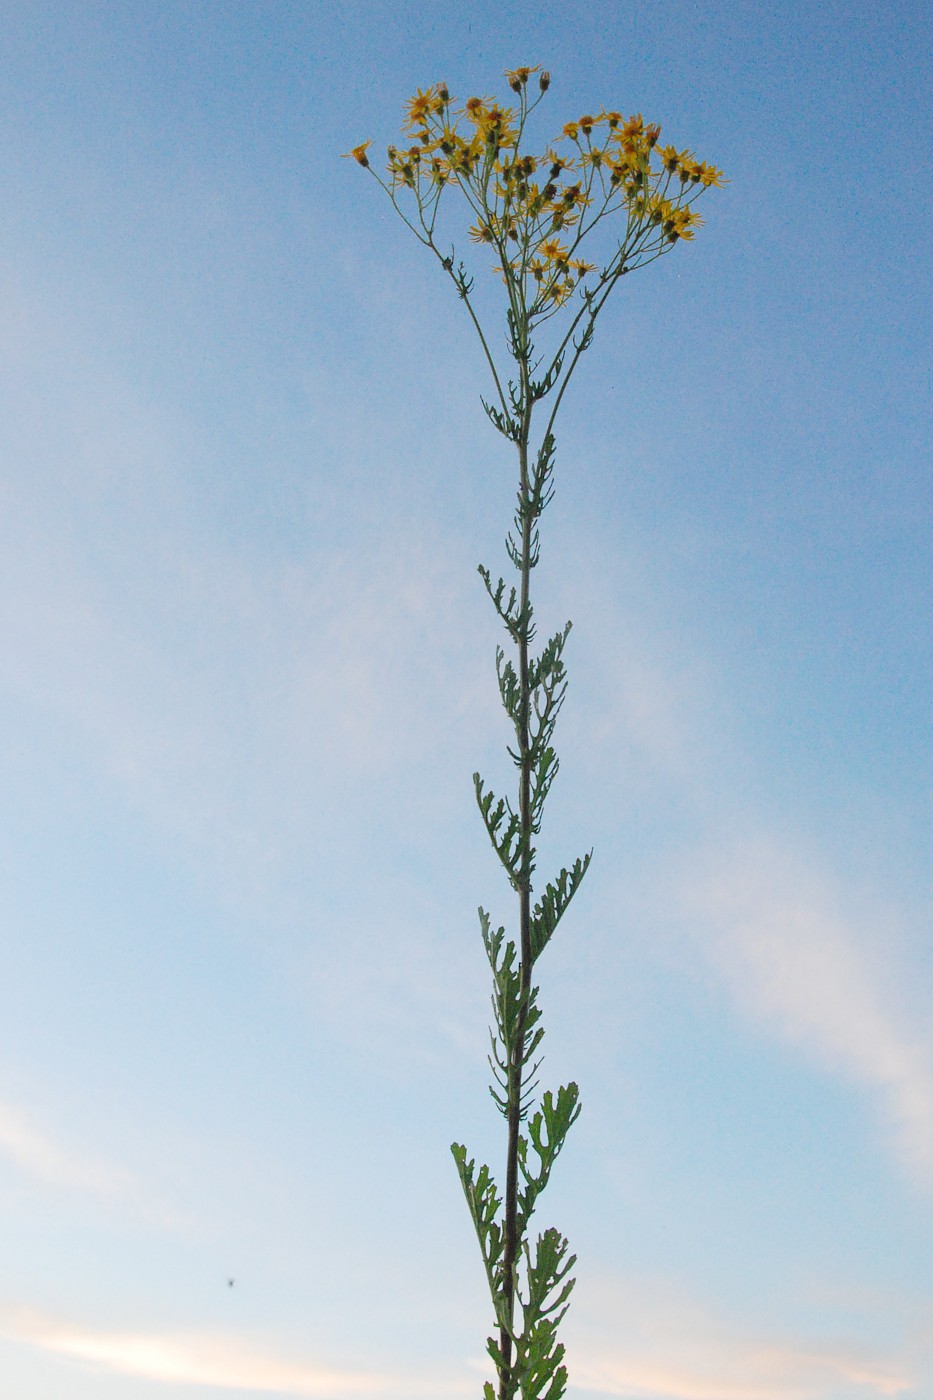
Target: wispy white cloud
671 1347
37 1155
44 1159
216 1359
224 714
800 958
796 960
222 692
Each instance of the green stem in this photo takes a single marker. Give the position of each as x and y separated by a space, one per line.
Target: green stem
511 1241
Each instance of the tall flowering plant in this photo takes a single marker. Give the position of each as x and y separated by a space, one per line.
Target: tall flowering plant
533 212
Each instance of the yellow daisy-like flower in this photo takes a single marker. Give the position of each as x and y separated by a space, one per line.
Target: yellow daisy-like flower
709 175
571 130
419 107
475 108
513 268
518 77
573 195
560 292
680 223
689 168
552 250
558 163
670 159
561 219
494 124
660 210
358 154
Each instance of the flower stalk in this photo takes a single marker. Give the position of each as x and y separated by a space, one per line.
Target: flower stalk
612 182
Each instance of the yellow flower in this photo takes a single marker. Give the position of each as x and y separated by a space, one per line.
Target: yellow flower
513 268
359 154
420 107
518 77
475 108
552 250
558 163
711 176
680 223
582 268
660 210
670 159
481 233
560 291
494 124
689 168
571 130
573 194
449 140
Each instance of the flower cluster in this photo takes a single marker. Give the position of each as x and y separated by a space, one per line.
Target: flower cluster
534 210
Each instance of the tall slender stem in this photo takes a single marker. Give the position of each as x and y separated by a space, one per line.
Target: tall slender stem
517 1057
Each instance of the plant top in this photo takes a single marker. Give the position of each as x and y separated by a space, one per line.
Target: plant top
536 210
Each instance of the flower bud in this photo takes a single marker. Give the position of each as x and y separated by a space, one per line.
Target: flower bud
544 82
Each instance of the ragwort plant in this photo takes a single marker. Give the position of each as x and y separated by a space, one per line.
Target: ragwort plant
534 213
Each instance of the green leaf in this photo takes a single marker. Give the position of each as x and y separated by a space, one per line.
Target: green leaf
542 492
549 665
547 1131
507 1004
510 612
545 1276
484 1203
543 775
540 388
509 689
504 828
550 908
538 1369
506 425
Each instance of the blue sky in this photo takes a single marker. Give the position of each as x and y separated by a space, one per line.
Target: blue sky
246 672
